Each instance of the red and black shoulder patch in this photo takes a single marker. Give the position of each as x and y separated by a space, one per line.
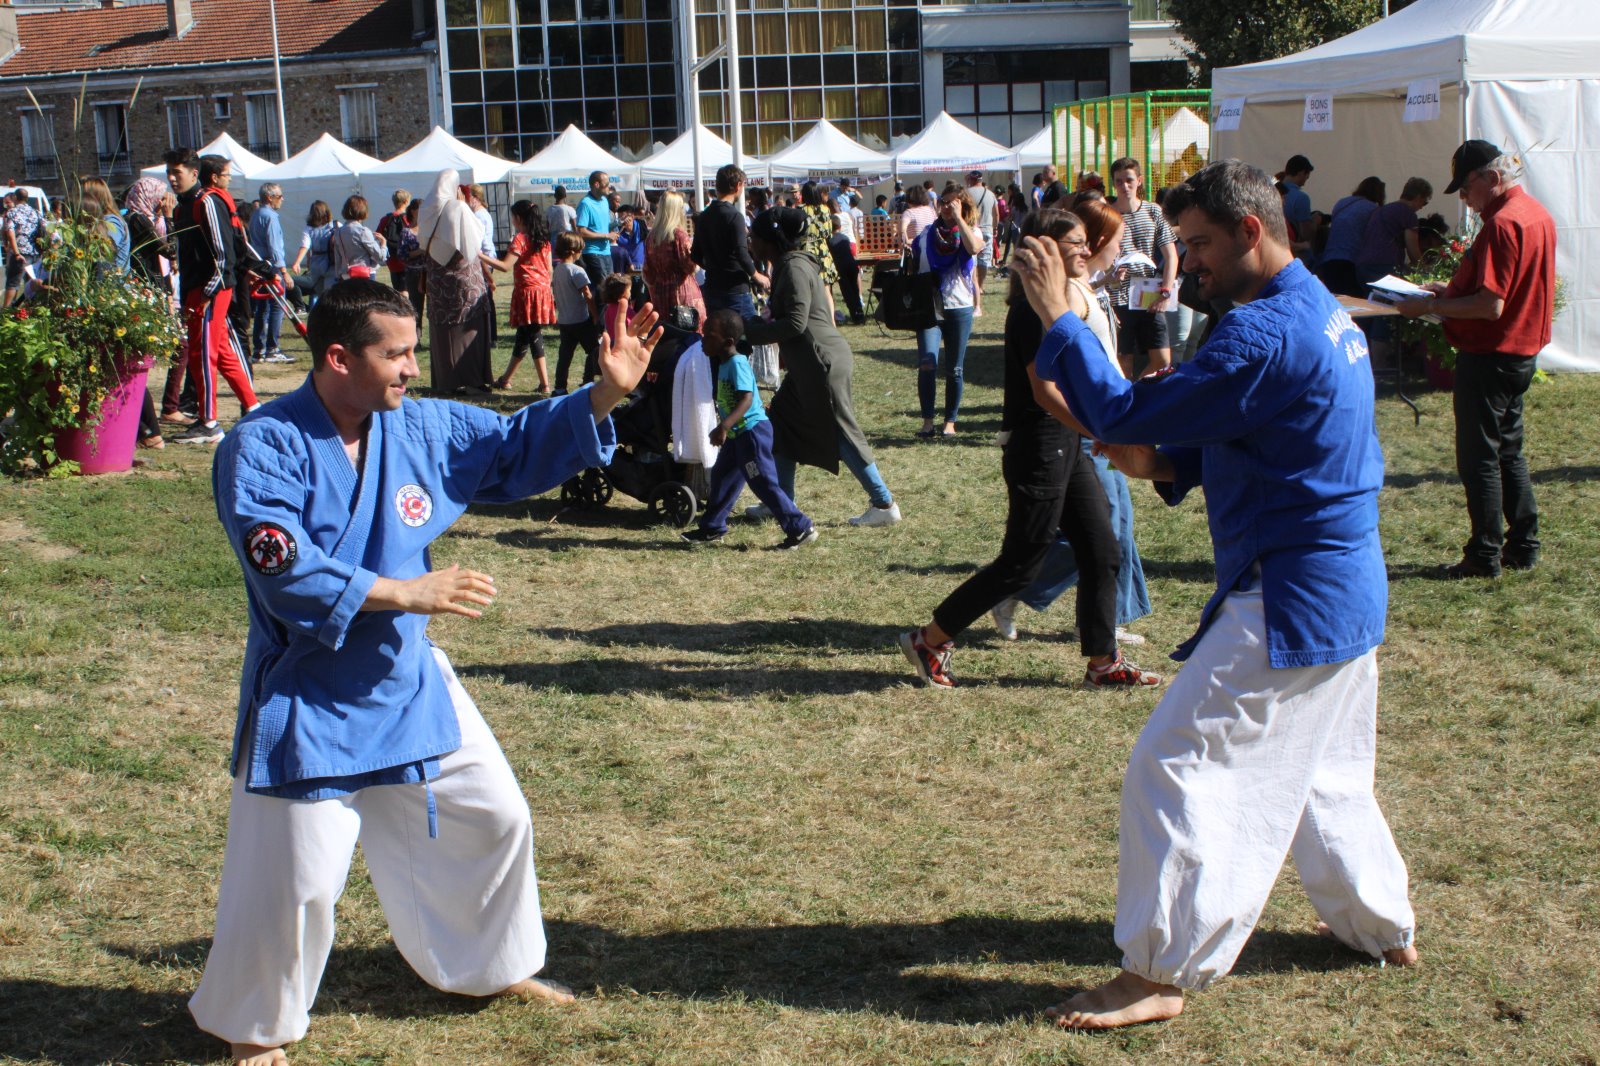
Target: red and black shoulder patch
270 548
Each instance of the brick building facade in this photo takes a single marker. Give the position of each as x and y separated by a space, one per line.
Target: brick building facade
114 87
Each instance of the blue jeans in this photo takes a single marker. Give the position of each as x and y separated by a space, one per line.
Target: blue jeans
739 300
1060 570
266 319
866 473
954 329
748 458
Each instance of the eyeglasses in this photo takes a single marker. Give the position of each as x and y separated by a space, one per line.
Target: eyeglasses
1073 244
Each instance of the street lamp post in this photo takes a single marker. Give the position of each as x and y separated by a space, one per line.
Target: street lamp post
277 78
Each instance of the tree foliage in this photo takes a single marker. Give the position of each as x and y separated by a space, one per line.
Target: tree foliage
1248 31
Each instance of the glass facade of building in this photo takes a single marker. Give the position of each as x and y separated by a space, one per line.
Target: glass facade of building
517 72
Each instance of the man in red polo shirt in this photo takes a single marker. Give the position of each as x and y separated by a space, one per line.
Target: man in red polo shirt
1497 311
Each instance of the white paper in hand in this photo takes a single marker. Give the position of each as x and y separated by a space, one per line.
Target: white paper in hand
1134 259
1144 294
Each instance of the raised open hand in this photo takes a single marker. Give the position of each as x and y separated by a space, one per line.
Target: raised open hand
624 360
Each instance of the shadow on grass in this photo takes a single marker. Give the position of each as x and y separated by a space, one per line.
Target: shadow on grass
1201 570
883 968
811 635
611 676
1549 475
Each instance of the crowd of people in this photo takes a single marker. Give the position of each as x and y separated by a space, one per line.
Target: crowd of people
1261 747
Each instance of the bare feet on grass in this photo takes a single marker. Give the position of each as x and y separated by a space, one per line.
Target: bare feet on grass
534 990
1394 956
1126 999
257 1055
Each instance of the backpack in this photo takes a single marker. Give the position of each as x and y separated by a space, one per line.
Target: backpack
392 226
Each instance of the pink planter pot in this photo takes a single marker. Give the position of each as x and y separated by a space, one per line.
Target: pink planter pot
108 446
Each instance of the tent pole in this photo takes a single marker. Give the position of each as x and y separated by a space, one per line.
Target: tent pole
735 116
691 70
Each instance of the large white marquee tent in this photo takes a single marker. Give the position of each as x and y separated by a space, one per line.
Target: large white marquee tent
327 170
948 147
1524 74
246 164
826 153
673 166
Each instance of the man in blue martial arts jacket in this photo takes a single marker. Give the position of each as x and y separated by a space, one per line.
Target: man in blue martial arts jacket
1265 743
352 726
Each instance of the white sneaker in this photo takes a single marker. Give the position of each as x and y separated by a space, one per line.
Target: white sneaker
758 512
877 516
1004 614
1132 639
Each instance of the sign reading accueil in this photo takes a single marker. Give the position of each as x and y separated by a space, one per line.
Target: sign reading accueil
1422 100
1229 114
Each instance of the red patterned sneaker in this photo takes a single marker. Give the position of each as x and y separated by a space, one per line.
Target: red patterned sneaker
1120 673
932 662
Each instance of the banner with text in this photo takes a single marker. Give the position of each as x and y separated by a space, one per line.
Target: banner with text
1422 100
1229 113
1319 113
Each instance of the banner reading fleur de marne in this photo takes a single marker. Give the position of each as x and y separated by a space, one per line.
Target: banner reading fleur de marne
1422 100
1319 113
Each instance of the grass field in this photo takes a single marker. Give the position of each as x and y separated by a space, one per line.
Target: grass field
758 842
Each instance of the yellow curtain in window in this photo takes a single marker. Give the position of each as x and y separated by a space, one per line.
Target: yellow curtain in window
630 9
633 47
711 109
807 105
771 37
838 32
635 113
874 102
774 105
803 33
708 32
841 103
494 12
869 31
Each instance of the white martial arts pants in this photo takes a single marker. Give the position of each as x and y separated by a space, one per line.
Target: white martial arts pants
1239 765
463 908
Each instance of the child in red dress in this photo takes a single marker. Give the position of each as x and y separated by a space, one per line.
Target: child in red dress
532 304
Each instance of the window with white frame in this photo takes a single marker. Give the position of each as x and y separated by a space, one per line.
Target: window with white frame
111 139
38 144
183 123
358 117
222 107
261 123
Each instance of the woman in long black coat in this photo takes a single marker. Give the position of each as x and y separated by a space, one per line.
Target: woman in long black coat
813 419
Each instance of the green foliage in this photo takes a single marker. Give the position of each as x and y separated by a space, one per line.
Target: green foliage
1248 31
76 336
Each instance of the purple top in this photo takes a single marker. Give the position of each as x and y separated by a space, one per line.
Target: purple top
1385 242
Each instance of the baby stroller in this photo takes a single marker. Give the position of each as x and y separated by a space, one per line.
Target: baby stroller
643 467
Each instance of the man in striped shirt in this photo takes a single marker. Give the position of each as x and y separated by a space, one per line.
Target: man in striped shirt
1145 232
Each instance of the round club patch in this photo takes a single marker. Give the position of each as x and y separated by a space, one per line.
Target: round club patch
414 504
270 548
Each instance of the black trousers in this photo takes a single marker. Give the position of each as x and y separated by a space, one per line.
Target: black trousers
585 335
1488 406
850 289
1051 487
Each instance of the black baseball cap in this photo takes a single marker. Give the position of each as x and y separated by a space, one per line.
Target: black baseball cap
1469 157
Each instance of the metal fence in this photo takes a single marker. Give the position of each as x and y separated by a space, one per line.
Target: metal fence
1168 132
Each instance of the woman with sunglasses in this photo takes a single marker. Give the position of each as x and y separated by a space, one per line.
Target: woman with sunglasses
1052 488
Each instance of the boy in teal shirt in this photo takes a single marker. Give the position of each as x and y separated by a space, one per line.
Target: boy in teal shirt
744 435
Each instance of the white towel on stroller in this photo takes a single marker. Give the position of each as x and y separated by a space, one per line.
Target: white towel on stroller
694 408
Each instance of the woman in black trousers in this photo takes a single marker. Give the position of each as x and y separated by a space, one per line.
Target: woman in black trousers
1051 486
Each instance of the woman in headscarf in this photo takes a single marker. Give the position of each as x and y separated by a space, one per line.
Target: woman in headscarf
459 308
813 419
150 254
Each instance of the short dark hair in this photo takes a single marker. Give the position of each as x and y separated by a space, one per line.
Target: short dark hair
343 316
1416 187
615 287
595 175
1298 164
729 322
1227 191
1127 162
355 209
211 166
181 157
729 178
560 193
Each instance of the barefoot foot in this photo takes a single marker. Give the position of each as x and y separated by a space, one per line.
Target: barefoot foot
257 1055
541 991
1126 999
1393 957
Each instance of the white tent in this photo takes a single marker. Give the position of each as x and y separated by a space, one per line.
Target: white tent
1039 149
327 170
1182 131
1524 74
827 153
569 160
418 167
673 166
246 164
946 146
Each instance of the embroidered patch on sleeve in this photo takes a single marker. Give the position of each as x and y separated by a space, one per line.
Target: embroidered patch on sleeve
270 548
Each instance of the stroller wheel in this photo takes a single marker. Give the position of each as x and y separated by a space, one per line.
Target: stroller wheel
588 490
673 503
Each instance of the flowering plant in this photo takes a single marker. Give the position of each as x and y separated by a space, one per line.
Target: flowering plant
83 330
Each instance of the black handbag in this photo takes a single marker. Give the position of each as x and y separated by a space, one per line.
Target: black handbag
907 301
